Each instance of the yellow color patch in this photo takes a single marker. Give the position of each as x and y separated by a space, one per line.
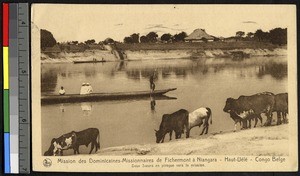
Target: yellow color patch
5 68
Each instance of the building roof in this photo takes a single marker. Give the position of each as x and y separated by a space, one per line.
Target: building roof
199 34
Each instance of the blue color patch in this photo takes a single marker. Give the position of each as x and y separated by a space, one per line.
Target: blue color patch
6 153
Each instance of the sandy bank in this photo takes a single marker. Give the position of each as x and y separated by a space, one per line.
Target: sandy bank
256 141
158 54
207 53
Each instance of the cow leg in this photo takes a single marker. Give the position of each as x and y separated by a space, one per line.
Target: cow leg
77 149
244 122
285 120
249 123
171 135
269 119
163 139
256 120
92 147
235 124
278 118
260 118
187 132
74 148
178 134
207 128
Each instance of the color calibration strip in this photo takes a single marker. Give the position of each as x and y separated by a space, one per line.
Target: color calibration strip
16 97
6 122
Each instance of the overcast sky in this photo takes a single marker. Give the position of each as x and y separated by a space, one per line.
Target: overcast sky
82 22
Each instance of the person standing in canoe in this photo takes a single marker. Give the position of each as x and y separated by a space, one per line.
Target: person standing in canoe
62 91
151 80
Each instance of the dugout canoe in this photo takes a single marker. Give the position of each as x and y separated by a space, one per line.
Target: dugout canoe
72 98
83 62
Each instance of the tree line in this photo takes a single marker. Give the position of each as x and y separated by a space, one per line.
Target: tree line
152 37
276 36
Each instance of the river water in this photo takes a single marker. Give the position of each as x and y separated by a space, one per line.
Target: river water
199 83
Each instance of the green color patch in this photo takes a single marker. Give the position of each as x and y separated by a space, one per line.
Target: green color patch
6 110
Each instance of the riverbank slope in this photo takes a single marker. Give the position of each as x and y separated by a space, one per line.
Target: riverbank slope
153 51
267 141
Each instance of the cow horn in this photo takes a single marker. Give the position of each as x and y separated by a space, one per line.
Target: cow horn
155 130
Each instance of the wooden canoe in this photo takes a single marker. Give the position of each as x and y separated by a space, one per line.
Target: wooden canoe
72 98
83 62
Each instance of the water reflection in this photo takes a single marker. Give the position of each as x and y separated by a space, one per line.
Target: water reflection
111 73
49 80
62 108
86 108
152 104
276 70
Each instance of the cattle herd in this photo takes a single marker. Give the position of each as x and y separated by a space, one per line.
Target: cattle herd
242 110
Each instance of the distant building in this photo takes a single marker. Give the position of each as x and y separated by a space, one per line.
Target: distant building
199 35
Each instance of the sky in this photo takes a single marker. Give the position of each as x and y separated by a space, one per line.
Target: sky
82 22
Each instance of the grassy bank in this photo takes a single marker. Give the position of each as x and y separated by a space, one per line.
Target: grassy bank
198 46
256 141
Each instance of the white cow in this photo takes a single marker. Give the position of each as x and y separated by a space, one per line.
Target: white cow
198 117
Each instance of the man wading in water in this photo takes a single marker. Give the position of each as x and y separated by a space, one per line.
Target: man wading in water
152 85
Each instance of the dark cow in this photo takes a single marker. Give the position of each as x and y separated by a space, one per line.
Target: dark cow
281 107
246 107
198 117
173 122
74 140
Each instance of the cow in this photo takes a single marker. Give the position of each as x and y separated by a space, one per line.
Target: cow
251 106
281 107
198 117
173 122
73 140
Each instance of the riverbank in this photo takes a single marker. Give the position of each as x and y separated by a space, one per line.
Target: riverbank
153 51
160 54
266 141
198 46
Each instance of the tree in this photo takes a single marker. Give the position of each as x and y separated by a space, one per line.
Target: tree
278 36
128 40
179 37
250 34
259 34
47 39
74 42
135 37
144 39
89 42
240 34
108 41
152 37
166 37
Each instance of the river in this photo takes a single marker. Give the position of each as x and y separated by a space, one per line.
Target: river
199 83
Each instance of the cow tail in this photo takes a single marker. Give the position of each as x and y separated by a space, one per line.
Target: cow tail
209 114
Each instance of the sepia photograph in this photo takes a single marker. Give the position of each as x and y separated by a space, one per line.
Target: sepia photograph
164 87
